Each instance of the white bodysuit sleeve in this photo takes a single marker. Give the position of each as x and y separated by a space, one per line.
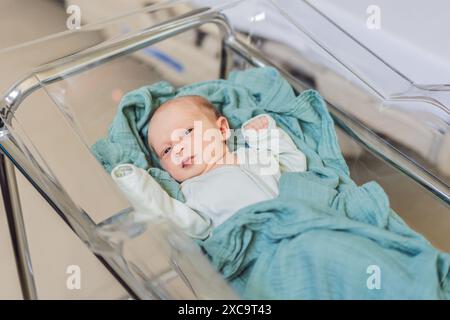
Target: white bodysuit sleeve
278 142
150 200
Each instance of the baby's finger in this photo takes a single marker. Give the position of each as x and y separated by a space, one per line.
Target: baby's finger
251 125
262 123
257 124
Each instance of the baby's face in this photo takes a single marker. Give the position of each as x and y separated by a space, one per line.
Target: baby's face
187 138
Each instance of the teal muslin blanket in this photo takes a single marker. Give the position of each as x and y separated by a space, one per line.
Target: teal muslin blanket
323 237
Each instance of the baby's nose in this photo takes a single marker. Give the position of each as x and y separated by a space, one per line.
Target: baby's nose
178 149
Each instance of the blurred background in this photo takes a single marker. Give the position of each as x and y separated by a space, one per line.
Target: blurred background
408 36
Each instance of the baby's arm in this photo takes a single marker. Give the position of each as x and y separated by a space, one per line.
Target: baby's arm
261 132
150 201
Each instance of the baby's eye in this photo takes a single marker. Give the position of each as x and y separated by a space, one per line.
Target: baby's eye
166 150
188 131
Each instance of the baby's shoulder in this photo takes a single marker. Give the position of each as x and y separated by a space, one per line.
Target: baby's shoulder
260 162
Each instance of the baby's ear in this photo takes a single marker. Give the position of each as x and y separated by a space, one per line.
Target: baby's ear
224 127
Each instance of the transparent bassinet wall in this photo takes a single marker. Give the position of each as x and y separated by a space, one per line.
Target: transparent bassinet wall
58 110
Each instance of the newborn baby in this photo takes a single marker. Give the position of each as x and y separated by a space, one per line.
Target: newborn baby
190 137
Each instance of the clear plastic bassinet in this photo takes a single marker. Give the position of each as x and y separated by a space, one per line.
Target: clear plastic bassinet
58 104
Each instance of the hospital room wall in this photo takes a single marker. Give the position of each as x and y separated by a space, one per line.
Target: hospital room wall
54 247
410 36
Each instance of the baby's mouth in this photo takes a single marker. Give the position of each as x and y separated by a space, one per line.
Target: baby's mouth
189 161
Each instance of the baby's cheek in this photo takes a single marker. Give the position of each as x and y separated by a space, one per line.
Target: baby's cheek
197 144
175 172
167 164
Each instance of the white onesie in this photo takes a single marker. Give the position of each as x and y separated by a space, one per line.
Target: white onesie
215 196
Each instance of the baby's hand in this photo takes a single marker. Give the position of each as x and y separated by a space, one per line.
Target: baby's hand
258 123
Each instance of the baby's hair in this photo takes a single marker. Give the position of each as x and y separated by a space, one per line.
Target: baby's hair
200 101
205 104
